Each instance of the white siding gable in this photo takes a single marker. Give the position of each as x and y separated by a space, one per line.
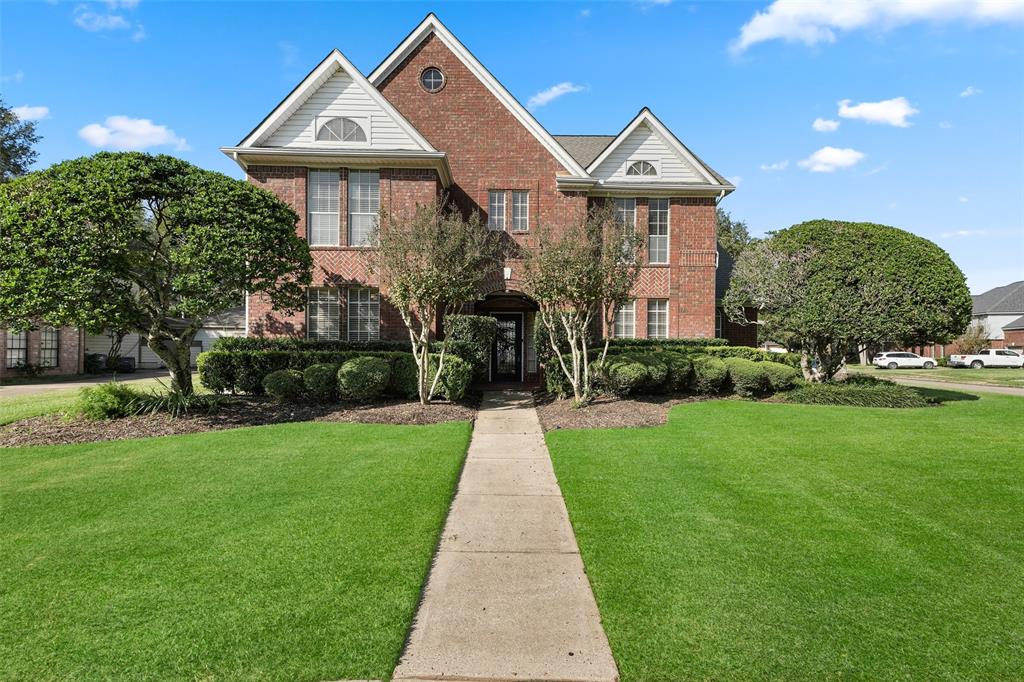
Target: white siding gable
646 144
340 95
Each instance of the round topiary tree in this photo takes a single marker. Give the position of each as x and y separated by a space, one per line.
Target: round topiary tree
831 287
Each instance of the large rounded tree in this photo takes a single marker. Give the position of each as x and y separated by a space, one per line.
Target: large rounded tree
142 243
830 287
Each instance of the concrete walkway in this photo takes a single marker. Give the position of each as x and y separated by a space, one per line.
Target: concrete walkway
953 386
507 598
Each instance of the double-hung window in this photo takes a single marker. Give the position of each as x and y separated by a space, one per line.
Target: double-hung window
363 206
520 211
625 214
363 314
657 230
49 347
657 318
322 201
17 349
496 210
323 314
624 326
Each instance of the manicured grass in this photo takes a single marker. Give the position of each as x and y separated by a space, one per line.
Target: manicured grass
288 552
991 376
801 542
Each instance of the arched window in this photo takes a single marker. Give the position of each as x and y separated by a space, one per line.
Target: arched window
644 168
341 130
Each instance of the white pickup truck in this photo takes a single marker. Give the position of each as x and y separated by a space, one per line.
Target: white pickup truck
988 358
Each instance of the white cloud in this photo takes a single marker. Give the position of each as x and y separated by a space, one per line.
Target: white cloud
123 132
27 113
878 169
15 77
820 21
945 125
828 159
554 92
289 53
963 233
894 112
88 19
735 180
971 91
777 166
825 125
585 12
963 200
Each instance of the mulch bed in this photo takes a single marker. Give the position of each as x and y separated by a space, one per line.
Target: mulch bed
606 412
55 429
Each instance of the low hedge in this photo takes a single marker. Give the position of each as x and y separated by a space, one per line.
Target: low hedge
321 382
748 378
631 373
243 371
698 344
710 375
285 386
755 354
111 400
364 379
855 393
781 377
250 343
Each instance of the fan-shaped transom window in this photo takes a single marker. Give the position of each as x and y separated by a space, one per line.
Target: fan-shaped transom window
432 79
341 130
644 168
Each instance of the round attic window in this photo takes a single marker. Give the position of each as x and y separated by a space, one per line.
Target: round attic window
432 79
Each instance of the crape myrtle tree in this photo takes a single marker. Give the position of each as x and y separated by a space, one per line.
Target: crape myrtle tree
578 274
150 244
830 288
429 263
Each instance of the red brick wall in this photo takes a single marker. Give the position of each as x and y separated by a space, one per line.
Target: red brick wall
70 354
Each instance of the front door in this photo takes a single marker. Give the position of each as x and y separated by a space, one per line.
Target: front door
507 352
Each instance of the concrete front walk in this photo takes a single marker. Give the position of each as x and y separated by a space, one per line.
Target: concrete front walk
507 598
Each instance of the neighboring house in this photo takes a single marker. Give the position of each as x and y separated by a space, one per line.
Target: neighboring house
228 323
738 335
1000 311
53 350
431 120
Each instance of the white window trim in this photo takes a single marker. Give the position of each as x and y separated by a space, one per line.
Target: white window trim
632 308
492 216
363 121
525 193
310 213
649 302
349 307
668 231
656 163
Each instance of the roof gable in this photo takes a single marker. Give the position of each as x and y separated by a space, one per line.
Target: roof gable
335 88
1008 298
647 139
431 25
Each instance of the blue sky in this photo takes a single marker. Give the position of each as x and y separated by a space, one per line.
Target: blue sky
921 103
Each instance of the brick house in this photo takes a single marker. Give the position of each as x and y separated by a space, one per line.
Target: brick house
432 120
53 350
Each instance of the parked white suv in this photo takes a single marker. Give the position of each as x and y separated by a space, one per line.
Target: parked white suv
901 359
988 358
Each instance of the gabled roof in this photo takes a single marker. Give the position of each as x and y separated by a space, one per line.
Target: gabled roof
1008 299
584 148
1016 324
309 85
431 25
647 117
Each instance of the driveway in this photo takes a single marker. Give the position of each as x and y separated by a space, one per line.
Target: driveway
950 386
79 382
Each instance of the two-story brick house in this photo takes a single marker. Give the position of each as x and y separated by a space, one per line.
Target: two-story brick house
432 120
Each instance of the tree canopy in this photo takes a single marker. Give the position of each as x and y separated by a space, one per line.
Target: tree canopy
830 287
151 244
17 138
733 235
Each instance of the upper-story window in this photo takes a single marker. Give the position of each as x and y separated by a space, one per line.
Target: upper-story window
432 79
625 211
322 200
340 129
496 210
520 211
642 168
657 230
363 206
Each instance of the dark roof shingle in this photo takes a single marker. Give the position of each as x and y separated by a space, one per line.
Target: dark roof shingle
584 148
1016 324
1004 299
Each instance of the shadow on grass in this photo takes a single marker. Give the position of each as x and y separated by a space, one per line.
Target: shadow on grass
939 395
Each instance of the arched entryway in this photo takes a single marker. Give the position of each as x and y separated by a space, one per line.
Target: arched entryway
513 354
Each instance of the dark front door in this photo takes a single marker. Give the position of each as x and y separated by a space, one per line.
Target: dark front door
507 353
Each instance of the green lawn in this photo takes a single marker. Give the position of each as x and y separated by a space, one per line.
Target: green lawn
764 541
287 552
992 376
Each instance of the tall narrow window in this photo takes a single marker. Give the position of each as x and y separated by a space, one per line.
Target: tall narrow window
496 210
363 206
363 314
657 318
625 211
322 200
718 323
657 230
49 347
520 211
17 349
625 322
323 314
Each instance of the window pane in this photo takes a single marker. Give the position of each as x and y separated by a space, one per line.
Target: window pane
363 206
363 314
352 131
520 211
49 347
657 230
322 201
625 211
625 317
17 349
323 314
657 319
496 209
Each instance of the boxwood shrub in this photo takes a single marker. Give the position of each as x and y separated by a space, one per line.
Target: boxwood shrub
470 337
285 386
781 377
111 400
364 379
697 344
710 375
251 343
456 377
632 373
217 371
858 394
404 374
680 372
321 382
755 354
748 378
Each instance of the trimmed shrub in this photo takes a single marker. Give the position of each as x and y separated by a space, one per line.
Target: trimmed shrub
709 375
749 379
404 375
250 368
680 372
285 385
111 400
216 371
555 381
632 373
456 376
857 394
470 337
781 377
698 344
321 382
255 343
755 354
364 379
